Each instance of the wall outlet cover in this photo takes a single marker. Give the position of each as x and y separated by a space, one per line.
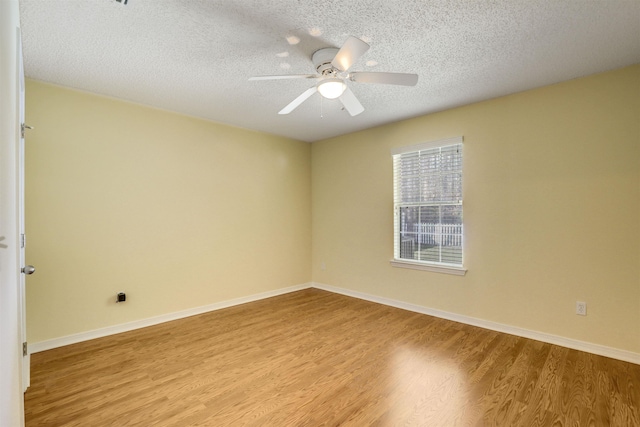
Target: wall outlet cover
581 308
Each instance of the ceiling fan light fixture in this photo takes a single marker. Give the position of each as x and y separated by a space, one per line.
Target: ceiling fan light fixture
331 88
332 67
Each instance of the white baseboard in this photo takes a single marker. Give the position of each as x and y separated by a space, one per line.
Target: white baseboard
601 350
143 323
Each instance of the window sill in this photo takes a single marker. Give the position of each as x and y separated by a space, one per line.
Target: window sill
446 269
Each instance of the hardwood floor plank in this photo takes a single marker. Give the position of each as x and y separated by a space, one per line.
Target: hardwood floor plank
313 358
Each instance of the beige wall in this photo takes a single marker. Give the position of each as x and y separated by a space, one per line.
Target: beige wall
551 206
176 212
180 212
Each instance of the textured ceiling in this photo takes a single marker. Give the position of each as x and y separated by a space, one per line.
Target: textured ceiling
194 57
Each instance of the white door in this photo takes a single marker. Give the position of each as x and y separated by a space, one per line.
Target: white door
26 269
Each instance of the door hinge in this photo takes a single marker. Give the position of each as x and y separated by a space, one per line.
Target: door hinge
23 127
24 349
22 241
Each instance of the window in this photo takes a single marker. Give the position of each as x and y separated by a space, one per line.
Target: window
427 182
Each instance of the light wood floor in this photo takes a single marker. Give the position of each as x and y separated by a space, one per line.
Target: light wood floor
313 358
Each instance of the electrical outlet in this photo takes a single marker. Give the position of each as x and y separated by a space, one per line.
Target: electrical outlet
581 308
323 266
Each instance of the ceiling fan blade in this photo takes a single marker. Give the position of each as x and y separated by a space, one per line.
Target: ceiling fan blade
286 76
349 53
299 100
351 103
403 79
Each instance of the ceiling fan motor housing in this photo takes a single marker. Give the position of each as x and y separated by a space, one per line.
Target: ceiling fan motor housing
322 61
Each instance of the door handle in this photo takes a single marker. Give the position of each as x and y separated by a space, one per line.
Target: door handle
28 269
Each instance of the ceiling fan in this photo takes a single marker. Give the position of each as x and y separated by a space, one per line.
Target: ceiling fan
332 66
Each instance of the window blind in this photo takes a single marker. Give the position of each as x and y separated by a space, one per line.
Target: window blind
428 202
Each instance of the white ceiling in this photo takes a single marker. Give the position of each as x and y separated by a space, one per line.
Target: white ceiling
194 57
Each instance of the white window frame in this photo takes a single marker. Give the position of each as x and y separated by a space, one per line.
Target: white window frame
416 264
